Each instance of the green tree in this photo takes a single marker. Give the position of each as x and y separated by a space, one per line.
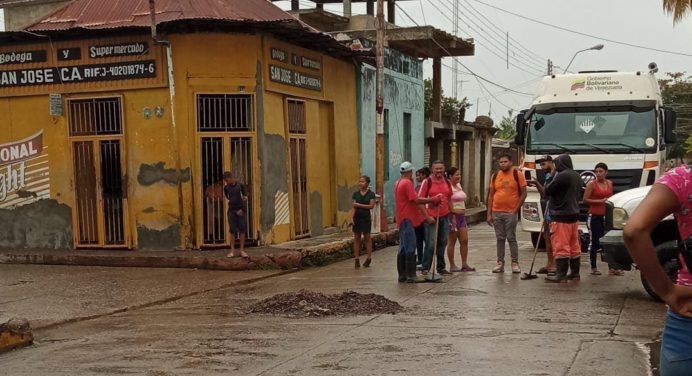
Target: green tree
678 8
676 90
450 106
506 127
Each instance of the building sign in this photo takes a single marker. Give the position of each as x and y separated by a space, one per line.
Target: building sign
295 69
291 77
55 104
65 54
311 63
76 74
128 49
23 171
23 57
279 55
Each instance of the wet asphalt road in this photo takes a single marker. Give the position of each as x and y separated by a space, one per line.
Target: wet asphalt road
474 324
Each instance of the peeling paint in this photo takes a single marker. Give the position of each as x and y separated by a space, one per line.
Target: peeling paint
150 239
149 210
153 173
44 224
344 197
316 214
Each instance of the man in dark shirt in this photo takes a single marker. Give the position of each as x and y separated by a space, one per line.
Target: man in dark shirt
237 218
564 191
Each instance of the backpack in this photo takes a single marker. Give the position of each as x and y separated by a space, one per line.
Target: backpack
516 180
429 181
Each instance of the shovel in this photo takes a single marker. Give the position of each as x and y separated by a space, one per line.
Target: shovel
530 274
431 277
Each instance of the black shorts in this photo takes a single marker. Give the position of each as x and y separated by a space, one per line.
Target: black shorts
362 224
238 223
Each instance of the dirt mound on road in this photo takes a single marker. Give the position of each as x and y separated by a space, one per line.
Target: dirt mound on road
308 303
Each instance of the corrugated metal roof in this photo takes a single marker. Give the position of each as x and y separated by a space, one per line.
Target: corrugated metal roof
111 14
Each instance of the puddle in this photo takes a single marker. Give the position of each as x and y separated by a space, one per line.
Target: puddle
654 350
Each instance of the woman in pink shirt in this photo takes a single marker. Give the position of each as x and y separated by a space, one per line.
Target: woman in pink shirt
458 231
672 194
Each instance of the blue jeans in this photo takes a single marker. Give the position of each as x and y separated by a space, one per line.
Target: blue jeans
407 238
420 242
440 239
676 346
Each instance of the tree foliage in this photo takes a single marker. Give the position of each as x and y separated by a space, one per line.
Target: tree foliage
506 130
450 106
676 90
678 8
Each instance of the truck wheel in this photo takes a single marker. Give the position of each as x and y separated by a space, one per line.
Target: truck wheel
535 238
667 254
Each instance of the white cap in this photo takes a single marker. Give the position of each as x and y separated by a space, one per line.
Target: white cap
406 167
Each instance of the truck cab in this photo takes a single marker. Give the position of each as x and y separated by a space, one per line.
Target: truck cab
597 116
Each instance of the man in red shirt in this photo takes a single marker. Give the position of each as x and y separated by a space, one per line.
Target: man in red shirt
437 191
410 213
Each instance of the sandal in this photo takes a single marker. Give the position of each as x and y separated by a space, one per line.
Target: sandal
467 269
596 272
616 272
542 270
456 269
367 262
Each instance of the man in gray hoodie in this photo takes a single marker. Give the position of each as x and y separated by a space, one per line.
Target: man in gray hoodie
564 191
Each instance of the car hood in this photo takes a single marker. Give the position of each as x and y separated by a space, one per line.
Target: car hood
631 198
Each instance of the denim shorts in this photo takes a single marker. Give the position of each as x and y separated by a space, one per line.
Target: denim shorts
407 238
676 346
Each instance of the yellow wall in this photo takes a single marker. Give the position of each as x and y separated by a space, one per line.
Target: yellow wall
168 146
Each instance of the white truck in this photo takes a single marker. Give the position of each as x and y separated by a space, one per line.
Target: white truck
597 116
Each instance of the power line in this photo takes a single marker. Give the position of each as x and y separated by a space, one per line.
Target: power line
489 50
520 47
494 43
502 42
584 34
462 64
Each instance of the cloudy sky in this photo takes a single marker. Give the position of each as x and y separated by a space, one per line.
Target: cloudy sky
636 22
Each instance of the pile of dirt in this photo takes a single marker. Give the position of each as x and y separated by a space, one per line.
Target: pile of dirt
308 303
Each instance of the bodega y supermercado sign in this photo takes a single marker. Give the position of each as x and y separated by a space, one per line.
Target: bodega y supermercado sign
24 176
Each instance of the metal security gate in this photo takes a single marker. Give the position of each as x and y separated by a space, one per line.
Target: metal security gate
299 185
225 130
100 193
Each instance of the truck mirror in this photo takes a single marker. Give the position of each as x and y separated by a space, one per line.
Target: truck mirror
520 127
669 123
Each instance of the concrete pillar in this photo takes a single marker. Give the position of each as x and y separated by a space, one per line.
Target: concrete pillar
391 11
437 90
370 8
440 156
453 154
477 159
295 5
347 8
467 178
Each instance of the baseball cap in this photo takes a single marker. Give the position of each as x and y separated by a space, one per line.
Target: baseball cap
406 167
544 158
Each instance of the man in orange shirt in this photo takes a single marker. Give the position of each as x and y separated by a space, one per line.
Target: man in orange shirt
505 197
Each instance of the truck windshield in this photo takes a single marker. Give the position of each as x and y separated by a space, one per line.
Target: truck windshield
593 130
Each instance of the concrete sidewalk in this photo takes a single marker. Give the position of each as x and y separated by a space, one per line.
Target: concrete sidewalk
316 251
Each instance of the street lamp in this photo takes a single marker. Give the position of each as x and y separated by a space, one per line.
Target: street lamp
596 47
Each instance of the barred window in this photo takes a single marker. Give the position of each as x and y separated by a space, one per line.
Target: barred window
224 112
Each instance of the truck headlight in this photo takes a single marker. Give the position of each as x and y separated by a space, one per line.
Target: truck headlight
620 217
530 211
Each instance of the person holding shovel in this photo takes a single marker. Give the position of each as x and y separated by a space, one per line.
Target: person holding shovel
548 168
438 190
410 213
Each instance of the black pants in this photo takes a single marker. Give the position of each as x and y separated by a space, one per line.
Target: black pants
596 230
420 242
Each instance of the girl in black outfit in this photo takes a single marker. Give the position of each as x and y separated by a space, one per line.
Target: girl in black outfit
363 202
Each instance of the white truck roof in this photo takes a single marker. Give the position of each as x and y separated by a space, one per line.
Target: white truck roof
583 89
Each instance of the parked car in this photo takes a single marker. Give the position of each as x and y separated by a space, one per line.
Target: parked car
665 236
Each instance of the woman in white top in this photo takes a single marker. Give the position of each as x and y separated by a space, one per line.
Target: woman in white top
457 222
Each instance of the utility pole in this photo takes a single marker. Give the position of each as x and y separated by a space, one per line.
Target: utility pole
550 67
379 140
